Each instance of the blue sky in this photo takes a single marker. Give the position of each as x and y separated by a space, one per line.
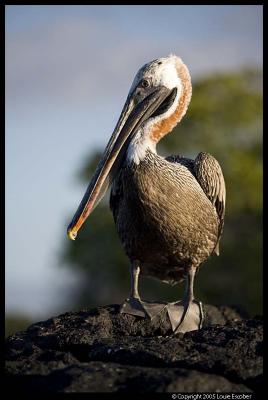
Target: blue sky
68 71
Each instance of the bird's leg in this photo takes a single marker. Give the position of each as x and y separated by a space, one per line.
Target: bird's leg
134 305
135 272
186 315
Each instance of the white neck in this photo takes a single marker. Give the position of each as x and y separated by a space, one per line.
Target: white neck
138 146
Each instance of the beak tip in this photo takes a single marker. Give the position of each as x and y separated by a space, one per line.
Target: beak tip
71 234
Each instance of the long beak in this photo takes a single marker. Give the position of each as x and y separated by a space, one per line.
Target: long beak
130 120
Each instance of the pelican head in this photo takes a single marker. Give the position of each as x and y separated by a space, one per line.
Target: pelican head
157 100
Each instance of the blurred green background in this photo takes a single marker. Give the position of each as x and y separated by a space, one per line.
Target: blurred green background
224 119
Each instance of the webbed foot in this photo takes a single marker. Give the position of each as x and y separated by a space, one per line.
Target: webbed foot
145 309
185 316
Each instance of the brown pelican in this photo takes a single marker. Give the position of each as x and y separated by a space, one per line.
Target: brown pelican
169 212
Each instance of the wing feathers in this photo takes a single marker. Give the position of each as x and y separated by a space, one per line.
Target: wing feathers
210 177
208 173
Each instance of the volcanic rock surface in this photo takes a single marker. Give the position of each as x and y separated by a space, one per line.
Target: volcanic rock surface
101 350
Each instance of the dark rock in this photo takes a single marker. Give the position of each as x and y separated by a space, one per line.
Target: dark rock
101 350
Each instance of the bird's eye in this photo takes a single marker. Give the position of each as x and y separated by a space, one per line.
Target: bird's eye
145 83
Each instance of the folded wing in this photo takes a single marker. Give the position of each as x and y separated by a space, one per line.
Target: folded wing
208 173
210 177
